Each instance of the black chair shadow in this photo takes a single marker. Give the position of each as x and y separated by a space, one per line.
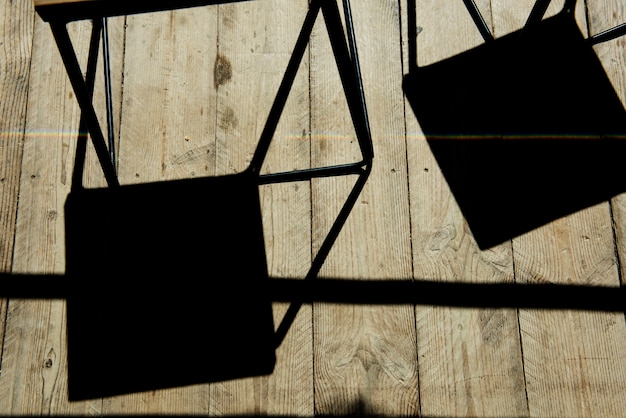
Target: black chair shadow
526 128
167 286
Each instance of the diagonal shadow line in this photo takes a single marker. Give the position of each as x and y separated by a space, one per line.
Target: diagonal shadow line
384 292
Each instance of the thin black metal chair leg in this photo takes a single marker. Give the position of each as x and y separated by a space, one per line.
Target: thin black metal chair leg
411 22
108 90
354 95
479 21
323 252
608 35
283 91
346 57
72 66
366 141
350 77
537 13
90 81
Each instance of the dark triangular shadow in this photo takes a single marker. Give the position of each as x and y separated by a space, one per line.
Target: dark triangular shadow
526 128
167 286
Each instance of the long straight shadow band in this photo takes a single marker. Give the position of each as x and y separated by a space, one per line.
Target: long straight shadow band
384 292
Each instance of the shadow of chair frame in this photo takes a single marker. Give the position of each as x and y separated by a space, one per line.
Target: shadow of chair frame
344 49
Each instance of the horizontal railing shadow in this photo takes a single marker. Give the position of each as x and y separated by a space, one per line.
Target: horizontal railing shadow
384 292
216 335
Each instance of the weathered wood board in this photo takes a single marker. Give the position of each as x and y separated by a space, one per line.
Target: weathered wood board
16 25
469 359
34 377
573 360
364 356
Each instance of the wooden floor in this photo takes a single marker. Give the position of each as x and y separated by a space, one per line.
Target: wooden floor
193 98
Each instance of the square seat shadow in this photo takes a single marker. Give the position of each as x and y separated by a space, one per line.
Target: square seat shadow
526 128
168 286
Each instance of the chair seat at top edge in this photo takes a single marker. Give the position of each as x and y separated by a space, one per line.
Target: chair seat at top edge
71 10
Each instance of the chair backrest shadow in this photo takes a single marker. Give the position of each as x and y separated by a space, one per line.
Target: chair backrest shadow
526 128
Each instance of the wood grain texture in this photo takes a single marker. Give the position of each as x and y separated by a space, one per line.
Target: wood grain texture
287 207
34 378
602 16
469 359
16 27
256 40
168 120
364 355
574 361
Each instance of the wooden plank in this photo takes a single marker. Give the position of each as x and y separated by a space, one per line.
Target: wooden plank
16 25
287 207
34 378
446 30
574 361
26 342
168 120
603 16
364 355
255 43
469 359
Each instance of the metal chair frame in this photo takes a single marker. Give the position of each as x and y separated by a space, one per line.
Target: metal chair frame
59 13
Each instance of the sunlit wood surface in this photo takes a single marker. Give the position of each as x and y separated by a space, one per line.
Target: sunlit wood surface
192 89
